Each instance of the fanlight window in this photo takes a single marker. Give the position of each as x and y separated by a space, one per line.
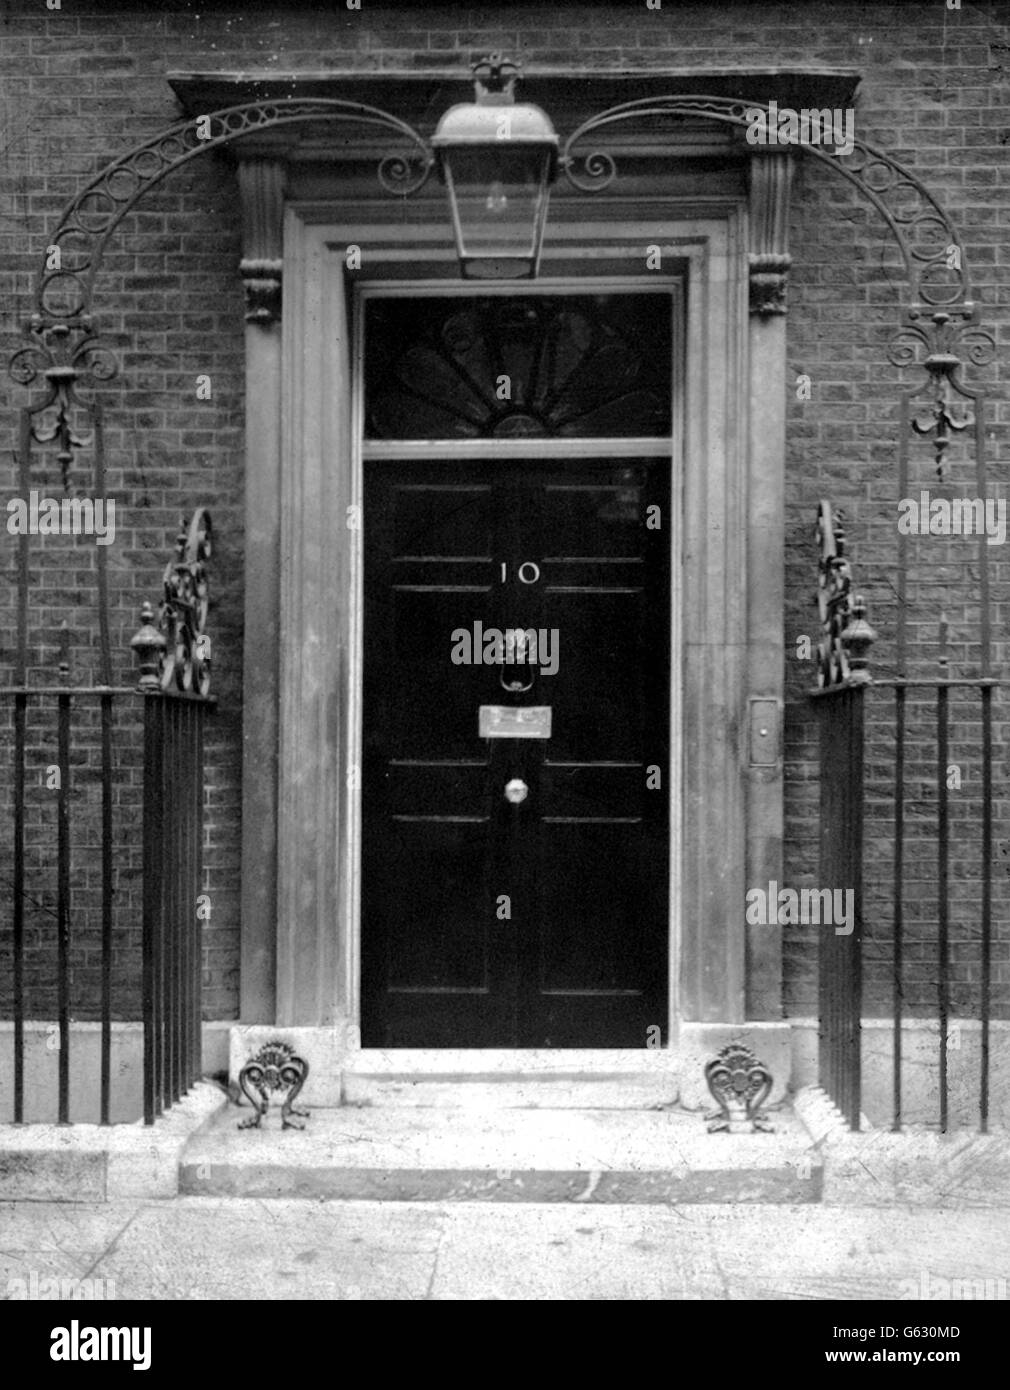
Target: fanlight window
518 366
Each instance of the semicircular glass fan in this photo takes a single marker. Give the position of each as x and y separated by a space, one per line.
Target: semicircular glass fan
518 366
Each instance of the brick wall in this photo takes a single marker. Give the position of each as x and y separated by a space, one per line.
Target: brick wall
80 85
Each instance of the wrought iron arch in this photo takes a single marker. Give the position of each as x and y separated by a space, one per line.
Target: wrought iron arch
939 316
940 320
64 345
940 323
872 171
940 312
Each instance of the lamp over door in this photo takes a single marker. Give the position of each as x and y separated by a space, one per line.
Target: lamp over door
498 159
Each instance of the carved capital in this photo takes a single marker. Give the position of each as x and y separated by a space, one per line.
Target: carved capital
768 277
771 178
262 281
261 183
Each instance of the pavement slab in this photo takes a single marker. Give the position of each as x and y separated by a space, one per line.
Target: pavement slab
57 1240
198 1248
212 1249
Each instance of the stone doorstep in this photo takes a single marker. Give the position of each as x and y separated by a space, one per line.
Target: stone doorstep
367 1153
560 1091
504 1155
552 1078
99 1163
592 1156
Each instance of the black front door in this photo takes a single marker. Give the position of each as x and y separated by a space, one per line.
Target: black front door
515 889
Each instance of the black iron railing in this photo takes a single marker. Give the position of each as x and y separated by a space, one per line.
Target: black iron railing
840 974
81 959
882 773
971 848
60 703
173 878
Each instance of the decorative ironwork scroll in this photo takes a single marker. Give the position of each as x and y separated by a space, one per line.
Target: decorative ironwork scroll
64 346
93 215
184 610
846 636
932 340
740 1085
941 316
176 654
276 1067
921 227
64 354
941 319
69 357
934 259
61 327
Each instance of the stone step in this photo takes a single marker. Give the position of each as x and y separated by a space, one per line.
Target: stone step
341 1073
544 1079
512 1155
557 1092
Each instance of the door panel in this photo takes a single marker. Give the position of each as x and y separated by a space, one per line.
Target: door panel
578 957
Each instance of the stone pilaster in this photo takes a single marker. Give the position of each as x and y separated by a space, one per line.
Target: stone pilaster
768 264
261 183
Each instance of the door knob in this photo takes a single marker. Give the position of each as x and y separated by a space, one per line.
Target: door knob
516 791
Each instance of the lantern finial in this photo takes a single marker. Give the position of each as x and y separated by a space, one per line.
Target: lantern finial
494 80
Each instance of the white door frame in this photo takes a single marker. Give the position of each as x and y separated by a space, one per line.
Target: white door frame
318 945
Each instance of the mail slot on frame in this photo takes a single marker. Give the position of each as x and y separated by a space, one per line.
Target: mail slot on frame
514 721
